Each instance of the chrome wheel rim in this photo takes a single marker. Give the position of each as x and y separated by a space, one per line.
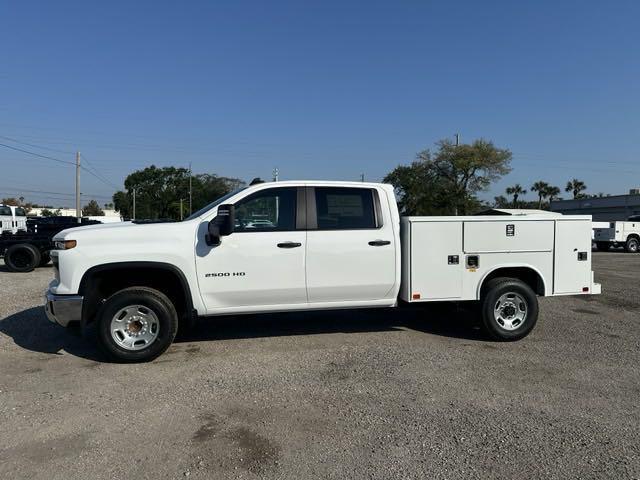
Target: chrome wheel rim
510 311
633 245
134 327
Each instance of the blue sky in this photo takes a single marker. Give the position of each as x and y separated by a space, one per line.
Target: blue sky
319 89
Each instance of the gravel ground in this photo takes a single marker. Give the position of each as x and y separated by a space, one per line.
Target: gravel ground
382 394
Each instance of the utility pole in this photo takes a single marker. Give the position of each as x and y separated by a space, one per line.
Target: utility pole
276 173
190 192
78 209
134 204
362 177
455 212
181 209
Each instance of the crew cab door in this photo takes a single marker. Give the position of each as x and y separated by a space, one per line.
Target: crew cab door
262 263
351 251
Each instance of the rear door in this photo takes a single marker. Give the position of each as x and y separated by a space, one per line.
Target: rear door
572 256
350 245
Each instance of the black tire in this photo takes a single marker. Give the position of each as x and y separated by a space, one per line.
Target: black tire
522 297
22 257
45 258
632 245
603 246
153 300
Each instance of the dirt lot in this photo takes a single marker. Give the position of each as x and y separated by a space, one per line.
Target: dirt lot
383 394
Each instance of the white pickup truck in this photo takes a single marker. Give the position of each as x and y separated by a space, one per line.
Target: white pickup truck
309 245
625 234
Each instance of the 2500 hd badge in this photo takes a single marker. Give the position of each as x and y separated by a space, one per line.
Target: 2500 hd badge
225 274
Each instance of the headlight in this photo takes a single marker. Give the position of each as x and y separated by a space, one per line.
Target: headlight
65 244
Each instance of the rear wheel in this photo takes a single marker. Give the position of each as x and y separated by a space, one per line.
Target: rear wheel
509 309
603 246
136 324
632 245
22 257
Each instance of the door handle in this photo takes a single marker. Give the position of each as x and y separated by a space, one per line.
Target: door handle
289 245
379 243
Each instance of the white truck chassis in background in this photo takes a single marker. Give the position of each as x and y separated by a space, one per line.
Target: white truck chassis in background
619 234
310 245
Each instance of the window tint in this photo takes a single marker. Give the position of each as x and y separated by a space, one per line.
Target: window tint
345 208
20 212
5 211
270 210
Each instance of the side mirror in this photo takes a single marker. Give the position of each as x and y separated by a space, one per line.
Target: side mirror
221 225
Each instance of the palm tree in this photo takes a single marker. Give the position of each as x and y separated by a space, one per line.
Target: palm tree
552 192
540 187
575 186
516 191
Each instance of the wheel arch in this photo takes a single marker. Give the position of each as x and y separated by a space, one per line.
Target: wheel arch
101 281
526 273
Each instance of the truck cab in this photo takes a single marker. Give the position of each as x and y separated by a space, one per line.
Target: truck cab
307 245
12 219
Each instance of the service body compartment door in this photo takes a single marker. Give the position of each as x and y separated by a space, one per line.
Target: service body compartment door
572 265
508 235
436 260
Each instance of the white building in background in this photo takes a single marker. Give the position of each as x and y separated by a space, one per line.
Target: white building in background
109 215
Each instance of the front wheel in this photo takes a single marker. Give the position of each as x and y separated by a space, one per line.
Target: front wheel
632 245
509 309
136 324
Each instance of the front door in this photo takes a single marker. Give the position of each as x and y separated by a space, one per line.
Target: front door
262 263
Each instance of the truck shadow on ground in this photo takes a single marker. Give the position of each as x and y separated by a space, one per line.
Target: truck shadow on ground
447 321
31 330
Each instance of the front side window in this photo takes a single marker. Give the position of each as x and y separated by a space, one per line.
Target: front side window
270 210
345 208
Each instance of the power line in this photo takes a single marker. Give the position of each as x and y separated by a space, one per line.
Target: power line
35 146
97 174
94 173
12 189
36 154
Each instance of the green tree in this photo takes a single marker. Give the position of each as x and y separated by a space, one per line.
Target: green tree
501 202
515 191
552 193
540 188
447 181
159 190
576 187
92 209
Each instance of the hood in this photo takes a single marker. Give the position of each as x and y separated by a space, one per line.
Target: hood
119 230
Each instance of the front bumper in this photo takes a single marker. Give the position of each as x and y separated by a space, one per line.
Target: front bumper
63 309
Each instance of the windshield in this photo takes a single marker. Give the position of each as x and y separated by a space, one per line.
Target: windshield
20 212
214 204
5 211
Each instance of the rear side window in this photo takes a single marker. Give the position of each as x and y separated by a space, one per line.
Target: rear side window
345 208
